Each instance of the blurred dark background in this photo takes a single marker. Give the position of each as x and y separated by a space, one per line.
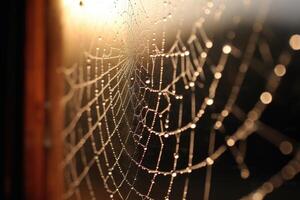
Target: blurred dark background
12 68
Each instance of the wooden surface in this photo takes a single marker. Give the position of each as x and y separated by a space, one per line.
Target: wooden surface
43 114
54 86
34 119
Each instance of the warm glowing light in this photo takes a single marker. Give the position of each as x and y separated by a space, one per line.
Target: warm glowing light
209 102
230 142
174 174
245 173
218 124
95 11
209 161
266 97
191 84
218 75
209 44
280 70
257 196
193 126
226 49
224 113
203 55
295 42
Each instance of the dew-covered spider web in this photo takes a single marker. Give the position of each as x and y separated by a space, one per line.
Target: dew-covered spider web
156 92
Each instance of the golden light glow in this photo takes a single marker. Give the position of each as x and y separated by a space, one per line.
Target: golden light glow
209 102
95 11
218 124
226 49
203 55
295 42
257 196
266 97
209 161
280 70
245 173
218 75
174 174
193 126
224 113
209 44
230 142
191 84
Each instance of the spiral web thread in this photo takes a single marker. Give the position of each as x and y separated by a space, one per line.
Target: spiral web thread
118 103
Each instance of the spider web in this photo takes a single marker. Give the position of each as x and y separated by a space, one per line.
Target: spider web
148 108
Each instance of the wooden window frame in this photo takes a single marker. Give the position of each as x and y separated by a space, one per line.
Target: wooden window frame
43 113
